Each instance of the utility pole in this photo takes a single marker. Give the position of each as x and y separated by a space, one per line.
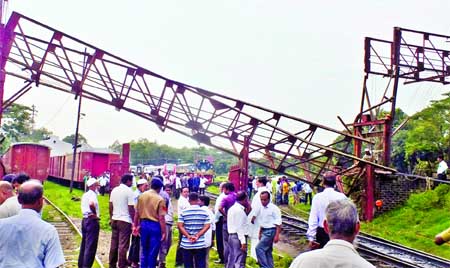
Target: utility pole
33 114
75 143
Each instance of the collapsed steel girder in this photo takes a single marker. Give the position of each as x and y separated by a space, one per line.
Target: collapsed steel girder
48 57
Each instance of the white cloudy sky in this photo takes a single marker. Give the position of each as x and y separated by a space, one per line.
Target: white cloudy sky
303 58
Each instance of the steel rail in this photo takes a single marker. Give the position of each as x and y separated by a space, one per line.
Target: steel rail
72 225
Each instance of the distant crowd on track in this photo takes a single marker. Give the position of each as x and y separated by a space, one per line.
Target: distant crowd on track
142 221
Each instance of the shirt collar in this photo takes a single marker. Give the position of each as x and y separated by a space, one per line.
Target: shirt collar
29 212
342 243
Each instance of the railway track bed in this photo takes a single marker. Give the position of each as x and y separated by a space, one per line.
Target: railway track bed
69 234
380 252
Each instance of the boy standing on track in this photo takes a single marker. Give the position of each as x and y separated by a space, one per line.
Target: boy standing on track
90 226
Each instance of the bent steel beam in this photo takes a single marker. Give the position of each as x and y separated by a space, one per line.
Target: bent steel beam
50 58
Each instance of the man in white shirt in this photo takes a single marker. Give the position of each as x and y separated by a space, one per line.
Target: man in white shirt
204 203
219 225
90 226
183 203
202 185
442 168
10 205
270 217
254 222
103 182
308 192
316 234
342 224
121 211
134 253
177 187
237 224
167 242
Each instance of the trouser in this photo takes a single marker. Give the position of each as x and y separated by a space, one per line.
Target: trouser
177 193
236 256
194 258
102 190
179 254
308 196
201 191
150 242
219 239
225 242
322 237
253 243
120 242
286 199
90 229
265 247
134 254
165 245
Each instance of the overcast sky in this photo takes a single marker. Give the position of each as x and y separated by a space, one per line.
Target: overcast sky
303 58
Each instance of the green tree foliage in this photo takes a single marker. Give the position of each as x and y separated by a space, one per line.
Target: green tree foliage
116 146
71 139
16 122
39 134
430 129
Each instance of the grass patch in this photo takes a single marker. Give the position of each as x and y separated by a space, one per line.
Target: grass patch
62 198
417 222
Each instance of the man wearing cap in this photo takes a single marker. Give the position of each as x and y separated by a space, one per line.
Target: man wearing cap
90 226
316 234
134 254
149 222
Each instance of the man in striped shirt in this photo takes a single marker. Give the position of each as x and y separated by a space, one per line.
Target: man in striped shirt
193 223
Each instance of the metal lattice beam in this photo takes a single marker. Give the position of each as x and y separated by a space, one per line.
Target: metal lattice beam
53 59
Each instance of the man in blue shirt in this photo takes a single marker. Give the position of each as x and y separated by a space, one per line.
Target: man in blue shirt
42 248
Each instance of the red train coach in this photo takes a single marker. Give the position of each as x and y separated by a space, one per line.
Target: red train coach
92 161
88 160
29 158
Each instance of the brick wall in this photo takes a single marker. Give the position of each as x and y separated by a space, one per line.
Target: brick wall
394 190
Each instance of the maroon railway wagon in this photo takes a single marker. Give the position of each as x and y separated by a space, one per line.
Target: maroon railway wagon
30 158
89 161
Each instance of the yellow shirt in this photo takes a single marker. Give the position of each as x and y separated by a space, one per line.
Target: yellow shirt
151 206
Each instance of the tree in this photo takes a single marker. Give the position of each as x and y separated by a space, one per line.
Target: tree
38 135
16 122
71 139
116 146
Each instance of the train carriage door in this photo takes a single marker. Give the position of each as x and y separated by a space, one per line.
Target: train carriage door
100 163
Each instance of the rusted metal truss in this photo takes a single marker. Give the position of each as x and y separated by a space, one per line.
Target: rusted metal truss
413 56
41 55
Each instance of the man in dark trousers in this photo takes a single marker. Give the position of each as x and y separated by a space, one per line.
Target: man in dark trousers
121 211
90 226
316 233
149 222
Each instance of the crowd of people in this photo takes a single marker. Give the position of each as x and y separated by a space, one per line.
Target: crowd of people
143 221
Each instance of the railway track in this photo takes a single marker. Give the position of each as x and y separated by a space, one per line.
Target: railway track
380 252
69 235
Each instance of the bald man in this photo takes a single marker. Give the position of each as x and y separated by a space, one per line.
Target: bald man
9 204
44 249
